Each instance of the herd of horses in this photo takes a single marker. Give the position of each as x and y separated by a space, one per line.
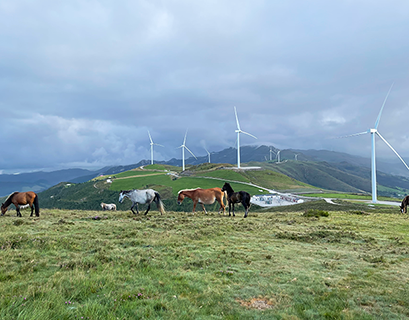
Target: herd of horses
147 196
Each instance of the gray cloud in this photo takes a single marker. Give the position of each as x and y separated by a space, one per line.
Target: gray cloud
82 82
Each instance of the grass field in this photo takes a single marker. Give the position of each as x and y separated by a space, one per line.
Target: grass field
348 196
274 265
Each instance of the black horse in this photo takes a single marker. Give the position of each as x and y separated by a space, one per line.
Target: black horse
237 197
404 205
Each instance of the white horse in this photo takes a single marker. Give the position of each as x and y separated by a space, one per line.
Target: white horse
142 197
108 206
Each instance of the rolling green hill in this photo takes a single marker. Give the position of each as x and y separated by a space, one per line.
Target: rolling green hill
89 195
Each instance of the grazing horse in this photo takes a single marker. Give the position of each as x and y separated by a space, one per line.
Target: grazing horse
404 205
237 197
203 196
108 206
142 197
22 198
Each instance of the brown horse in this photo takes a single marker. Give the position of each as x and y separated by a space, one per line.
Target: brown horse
21 198
203 196
404 205
242 197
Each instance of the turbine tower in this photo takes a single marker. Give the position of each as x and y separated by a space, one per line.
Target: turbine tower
238 131
208 154
183 146
374 132
152 144
271 152
278 156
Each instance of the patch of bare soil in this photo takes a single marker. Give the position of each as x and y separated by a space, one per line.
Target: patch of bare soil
260 303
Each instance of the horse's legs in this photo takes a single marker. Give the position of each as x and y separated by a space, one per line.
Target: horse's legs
204 209
229 208
233 209
135 205
18 211
149 207
32 210
194 206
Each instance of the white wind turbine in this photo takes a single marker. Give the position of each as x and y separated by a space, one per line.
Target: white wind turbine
271 154
277 155
152 144
373 158
183 146
208 153
238 131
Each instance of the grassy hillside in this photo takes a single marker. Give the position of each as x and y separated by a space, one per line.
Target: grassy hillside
73 264
89 195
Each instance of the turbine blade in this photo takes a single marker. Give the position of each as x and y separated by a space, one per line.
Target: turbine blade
207 151
190 152
249 134
393 150
380 112
237 119
157 144
355 134
184 140
150 138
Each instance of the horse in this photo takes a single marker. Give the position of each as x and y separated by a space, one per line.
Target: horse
237 197
21 198
142 197
110 206
404 205
203 196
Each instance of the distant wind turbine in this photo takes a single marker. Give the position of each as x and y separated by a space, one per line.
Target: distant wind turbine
208 154
152 144
373 158
183 146
277 154
238 131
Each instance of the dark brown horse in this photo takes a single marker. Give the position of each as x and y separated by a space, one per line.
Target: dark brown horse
237 197
404 205
203 196
22 198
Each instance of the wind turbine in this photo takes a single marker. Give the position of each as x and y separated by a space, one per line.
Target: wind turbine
152 144
208 154
373 132
271 152
238 131
183 146
278 156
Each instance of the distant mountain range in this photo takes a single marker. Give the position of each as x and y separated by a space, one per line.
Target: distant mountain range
321 168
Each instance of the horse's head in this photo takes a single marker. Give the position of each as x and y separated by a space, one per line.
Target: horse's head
181 196
121 196
225 186
402 208
3 209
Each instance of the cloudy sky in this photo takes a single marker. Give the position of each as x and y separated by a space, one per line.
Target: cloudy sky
81 82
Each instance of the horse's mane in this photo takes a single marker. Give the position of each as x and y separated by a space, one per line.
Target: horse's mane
188 190
11 195
8 200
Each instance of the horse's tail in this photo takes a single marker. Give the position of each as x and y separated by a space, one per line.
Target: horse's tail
159 203
36 205
226 199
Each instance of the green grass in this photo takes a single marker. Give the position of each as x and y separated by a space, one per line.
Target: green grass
348 196
70 264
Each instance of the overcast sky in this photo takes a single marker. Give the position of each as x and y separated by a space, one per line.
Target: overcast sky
81 82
